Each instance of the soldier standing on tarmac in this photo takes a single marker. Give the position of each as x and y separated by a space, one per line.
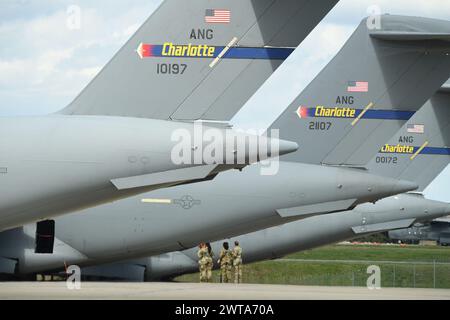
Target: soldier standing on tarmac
237 262
210 263
225 263
203 261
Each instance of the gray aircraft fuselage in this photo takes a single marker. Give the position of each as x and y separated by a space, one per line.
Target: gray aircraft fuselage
53 165
389 213
438 231
234 203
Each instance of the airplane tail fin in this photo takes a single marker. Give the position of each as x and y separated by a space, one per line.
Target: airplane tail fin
199 59
378 80
421 149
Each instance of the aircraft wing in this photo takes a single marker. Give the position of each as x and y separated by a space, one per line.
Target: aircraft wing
312 210
385 226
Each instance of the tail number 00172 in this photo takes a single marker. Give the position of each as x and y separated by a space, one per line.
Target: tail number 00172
386 160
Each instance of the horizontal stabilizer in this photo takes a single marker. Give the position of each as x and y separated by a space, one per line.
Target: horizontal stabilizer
410 36
445 88
402 28
311 210
166 177
385 226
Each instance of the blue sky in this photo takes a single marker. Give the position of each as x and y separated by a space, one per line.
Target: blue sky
44 65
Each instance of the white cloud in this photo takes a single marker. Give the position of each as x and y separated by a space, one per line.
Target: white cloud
45 59
85 72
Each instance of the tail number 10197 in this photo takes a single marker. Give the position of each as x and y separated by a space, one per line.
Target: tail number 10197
171 68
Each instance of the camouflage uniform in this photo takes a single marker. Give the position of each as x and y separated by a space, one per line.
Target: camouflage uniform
203 259
237 263
209 266
225 260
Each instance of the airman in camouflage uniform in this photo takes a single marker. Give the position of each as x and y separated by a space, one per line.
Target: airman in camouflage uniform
203 259
237 262
225 261
210 263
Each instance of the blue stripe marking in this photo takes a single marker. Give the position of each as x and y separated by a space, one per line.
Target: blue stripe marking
238 53
439 151
157 51
387 114
435 151
372 114
259 53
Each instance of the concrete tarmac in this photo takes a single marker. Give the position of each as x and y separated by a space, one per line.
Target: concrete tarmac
195 291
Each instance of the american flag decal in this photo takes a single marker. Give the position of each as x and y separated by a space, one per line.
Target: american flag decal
217 16
416 128
358 86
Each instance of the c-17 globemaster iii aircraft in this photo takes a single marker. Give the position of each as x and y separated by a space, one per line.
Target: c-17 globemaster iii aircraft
190 62
437 230
177 218
431 124
277 242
